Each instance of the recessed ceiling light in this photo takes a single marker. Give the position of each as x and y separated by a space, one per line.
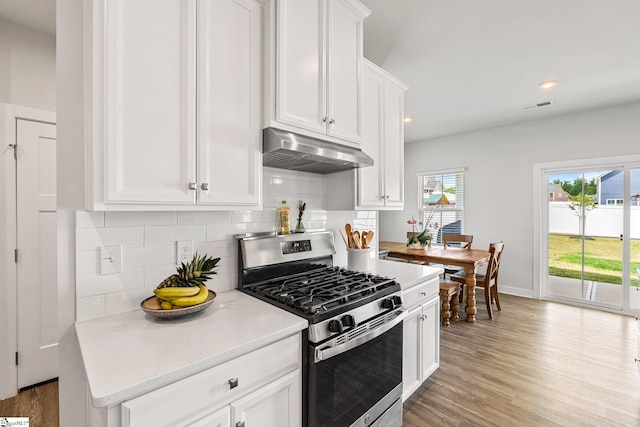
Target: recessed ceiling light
548 84
408 119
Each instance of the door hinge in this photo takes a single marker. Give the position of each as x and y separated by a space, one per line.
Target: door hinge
15 256
16 358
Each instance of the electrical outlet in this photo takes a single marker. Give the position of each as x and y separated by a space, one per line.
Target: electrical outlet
111 259
184 251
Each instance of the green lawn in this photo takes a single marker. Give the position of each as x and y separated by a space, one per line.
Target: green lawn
602 258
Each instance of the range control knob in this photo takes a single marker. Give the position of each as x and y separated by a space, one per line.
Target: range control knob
348 321
335 326
397 300
388 303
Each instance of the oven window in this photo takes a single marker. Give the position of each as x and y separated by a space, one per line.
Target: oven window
346 386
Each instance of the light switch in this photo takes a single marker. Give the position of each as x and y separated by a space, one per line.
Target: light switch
111 259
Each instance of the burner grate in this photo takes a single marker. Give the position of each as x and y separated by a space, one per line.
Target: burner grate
323 289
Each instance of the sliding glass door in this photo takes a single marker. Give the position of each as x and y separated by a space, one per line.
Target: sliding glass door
634 238
585 228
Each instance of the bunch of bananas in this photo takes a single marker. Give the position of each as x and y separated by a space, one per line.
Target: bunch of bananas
179 297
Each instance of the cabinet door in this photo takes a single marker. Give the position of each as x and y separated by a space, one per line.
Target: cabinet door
149 94
275 405
393 145
344 53
370 184
220 418
430 337
229 102
300 73
411 343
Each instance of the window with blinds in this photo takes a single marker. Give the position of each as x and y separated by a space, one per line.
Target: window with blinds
442 202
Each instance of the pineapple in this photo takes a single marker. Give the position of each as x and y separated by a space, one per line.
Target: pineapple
193 273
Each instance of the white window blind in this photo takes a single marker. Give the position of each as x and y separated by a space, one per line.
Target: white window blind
441 197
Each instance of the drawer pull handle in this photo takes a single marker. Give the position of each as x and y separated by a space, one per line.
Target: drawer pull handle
240 424
192 186
424 294
204 186
233 383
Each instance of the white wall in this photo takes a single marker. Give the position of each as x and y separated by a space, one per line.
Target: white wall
28 70
499 176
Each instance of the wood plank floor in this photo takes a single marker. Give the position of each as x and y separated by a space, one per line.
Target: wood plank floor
537 363
39 403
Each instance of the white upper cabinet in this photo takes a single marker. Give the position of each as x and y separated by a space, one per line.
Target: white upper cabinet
177 95
229 132
149 101
313 75
381 186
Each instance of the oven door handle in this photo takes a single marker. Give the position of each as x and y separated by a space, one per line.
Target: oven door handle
328 352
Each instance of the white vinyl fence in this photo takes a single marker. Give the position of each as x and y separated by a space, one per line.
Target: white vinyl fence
603 221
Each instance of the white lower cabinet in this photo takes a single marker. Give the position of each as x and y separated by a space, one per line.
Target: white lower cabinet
220 418
274 405
261 388
421 340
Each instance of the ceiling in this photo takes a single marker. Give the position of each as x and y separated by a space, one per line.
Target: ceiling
475 64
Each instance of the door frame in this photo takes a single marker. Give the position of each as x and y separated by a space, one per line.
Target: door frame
9 114
541 220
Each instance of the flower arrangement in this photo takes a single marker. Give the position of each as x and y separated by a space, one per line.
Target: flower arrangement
423 238
301 207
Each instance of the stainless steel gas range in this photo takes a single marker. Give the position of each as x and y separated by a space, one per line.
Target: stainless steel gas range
352 350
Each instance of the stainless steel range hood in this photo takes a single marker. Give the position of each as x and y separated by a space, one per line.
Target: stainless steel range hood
286 150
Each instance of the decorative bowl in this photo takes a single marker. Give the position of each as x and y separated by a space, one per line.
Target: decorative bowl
152 306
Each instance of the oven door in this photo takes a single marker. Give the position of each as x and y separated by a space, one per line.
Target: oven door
354 380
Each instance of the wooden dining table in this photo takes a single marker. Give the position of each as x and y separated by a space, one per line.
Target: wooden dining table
468 259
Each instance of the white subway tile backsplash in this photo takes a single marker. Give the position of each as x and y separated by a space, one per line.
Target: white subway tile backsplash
119 302
91 307
148 255
204 217
149 240
126 219
96 284
87 262
158 235
92 238
86 219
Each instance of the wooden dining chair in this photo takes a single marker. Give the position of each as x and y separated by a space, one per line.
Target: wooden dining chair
489 280
450 240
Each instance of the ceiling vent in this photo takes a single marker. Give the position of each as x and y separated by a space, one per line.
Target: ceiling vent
538 105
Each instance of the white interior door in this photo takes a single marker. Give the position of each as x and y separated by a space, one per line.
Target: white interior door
37 308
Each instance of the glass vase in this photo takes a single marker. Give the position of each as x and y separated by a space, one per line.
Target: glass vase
299 226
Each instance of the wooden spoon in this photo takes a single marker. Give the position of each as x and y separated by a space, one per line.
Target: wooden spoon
368 239
347 228
356 239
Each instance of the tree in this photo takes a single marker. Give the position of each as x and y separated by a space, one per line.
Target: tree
581 205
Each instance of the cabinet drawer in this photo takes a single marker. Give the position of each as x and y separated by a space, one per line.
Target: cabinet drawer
174 403
421 293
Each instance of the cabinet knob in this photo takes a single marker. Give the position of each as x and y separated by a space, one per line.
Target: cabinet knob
193 186
423 293
240 424
332 121
204 186
324 119
423 317
233 383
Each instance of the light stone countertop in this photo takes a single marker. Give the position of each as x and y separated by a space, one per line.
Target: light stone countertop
132 353
405 273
